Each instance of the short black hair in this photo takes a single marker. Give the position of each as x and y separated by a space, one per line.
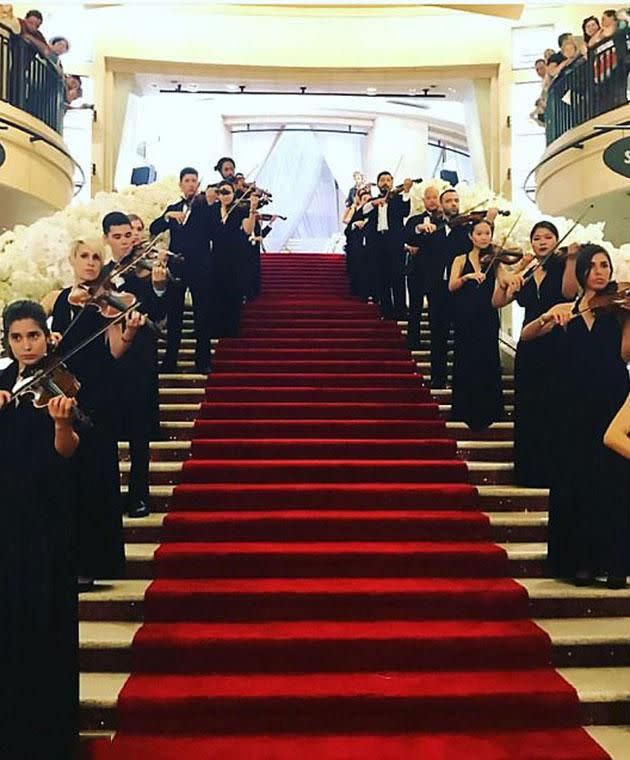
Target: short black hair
584 260
23 309
187 170
445 192
544 225
55 40
610 13
384 174
114 219
562 37
36 14
224 160
540 60
555 58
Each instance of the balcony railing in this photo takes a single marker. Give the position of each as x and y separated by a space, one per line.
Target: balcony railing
29 81
589 87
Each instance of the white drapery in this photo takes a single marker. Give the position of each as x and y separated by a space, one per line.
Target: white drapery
398 146
343 154
251 149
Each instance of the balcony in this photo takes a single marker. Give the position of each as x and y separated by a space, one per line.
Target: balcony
36 169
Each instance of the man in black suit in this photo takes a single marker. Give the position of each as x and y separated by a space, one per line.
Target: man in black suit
187 220
437 244
384 233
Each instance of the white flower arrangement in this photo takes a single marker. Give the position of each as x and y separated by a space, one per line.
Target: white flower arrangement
34 259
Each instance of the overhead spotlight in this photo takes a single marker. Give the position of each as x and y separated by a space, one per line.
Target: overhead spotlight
412 91
371 91
192 87
451 89
154 86
232 88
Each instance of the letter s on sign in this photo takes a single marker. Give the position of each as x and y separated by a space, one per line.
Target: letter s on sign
626 157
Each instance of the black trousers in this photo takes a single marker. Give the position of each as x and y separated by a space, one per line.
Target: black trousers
199 284
389 254
440 319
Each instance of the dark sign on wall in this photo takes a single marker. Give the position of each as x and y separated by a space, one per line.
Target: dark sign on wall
3 154
617 156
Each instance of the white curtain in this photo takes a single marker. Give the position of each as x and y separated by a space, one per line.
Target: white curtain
250 150
343 154
398 146
292 172
128 156
319 223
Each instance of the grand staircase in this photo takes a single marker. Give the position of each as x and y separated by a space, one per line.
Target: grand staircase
328 521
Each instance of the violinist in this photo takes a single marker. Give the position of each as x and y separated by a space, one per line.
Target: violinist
252 257
39 696
230 227
187 221
385 216
137 387
477 390
226 168
99 528
589 518
416 267
439 244
359 262
537 392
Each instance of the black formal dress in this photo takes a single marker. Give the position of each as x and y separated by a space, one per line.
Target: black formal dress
388 250
100 542
359 259
229 266
39 646
536 392
416 276
251 288
192 241
477 388
137 386
589 509
433 262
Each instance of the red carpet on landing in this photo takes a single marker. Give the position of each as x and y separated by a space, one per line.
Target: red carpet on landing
327 588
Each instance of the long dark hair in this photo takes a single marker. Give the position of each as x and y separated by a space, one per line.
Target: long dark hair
18 310
584 261
586 36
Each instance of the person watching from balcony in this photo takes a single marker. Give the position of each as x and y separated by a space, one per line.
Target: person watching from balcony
29 31
607 29
548 53
590 29
58 46
571 55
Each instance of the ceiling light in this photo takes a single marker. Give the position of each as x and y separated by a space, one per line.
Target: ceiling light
154 86
232 87
192 87
412 91
371 91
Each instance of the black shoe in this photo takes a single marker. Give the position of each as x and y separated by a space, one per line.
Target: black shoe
584 578
616 582
138 508
85 584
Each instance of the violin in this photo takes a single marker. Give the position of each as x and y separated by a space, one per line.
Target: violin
42 383
269 217
102 295
395 190
495 255
146 264
473 216
615 298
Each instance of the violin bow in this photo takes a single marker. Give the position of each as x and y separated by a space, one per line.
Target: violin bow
501 247
534 266
56 361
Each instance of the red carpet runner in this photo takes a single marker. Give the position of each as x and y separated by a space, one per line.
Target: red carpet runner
327 588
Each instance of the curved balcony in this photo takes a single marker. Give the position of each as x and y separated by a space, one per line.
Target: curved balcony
587 111
36 169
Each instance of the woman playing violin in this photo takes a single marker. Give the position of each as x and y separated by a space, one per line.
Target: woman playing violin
536 364
477 391
589 518
100 536
39 630
360 263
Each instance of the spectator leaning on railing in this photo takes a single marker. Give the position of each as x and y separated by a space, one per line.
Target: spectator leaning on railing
29 30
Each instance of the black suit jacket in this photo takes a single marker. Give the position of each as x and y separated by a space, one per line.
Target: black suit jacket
437 250
397 210
191 240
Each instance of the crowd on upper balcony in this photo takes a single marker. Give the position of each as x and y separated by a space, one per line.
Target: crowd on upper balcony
572 52
29 30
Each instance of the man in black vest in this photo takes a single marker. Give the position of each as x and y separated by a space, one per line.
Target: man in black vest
384 233
187 220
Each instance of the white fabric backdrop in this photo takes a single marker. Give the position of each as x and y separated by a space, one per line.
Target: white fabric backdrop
343 154
398 146
250 150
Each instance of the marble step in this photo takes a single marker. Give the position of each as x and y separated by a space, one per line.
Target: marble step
576 642
492 498
526 560
505 527
604 695
479 473
123 600
468 450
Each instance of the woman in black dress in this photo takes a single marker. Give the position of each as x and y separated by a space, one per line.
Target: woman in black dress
589 511
358 263
38 599
537 364
230 227
100 531
477 391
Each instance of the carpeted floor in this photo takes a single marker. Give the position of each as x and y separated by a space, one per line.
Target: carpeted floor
327 587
